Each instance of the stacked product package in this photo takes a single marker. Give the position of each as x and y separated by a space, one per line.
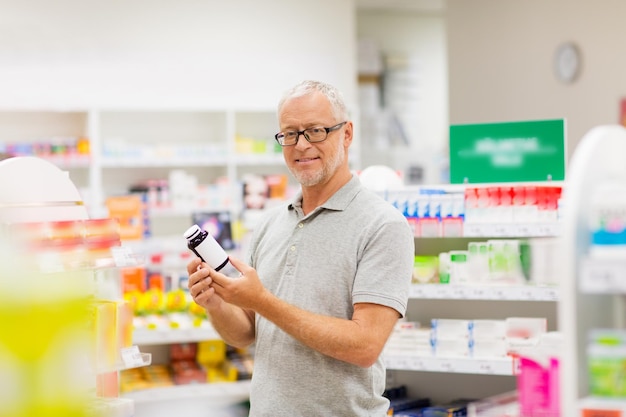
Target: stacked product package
478 338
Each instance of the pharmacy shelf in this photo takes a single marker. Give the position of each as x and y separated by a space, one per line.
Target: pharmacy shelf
168 336
484 292
123 143
216 392
512 230
484 366
164 162
259 159
68 161
114 257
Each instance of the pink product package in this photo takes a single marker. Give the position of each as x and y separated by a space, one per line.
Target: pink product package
538 387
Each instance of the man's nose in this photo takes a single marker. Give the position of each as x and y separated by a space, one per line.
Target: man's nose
302 141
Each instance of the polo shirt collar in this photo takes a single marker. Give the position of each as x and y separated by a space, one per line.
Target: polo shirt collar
338 201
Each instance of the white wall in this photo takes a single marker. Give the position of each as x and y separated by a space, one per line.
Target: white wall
167 53
415 43
501 61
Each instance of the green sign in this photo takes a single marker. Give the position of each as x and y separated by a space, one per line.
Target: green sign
507 152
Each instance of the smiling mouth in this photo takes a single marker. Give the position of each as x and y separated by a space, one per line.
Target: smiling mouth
306 159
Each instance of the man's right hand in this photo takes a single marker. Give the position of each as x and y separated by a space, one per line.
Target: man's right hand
200 285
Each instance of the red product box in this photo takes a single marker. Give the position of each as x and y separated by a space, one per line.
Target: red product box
183 351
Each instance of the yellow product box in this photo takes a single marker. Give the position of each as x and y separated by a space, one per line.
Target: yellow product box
211 353
104 334
226 372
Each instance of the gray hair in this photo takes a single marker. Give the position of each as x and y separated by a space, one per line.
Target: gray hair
334 96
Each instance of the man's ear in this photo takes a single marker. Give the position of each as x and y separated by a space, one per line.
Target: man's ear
349 134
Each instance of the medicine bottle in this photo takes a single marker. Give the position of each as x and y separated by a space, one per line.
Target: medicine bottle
206 248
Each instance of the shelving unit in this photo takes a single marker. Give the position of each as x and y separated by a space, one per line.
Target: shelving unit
216 398
593 289
484 292
447 378
127 146
492 366
159 337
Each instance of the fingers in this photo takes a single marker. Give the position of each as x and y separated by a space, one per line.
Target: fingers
218 279
193 265
238 264
199 279
200 287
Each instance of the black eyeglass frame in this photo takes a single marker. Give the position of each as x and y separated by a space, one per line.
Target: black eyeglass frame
302 132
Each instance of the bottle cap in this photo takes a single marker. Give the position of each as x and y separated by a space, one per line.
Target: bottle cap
192 232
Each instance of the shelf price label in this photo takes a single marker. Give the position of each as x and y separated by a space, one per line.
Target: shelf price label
551 294
442 291
473 230
446 366
499 293
501 230
122 256
544 230
601 277
484 367
481 293
131 356
459 292
417 364
528 294
523 230
402 363
418 291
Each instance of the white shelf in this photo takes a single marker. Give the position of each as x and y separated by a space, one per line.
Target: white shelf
168 336
114 257
603 276
69 161
484 292
485 366
156 212
224 392
512 230
146 162
122 142
259 159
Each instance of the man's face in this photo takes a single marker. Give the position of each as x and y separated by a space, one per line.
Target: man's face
314 163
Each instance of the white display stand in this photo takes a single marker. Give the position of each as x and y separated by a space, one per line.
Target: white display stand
34 190
599 157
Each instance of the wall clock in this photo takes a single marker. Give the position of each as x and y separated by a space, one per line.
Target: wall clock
567 62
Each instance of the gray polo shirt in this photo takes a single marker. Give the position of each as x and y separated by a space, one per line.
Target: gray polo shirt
355 248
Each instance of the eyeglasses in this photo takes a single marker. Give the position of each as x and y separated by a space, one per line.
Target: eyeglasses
312 135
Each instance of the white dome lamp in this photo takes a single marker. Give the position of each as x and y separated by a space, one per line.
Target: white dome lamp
380 178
